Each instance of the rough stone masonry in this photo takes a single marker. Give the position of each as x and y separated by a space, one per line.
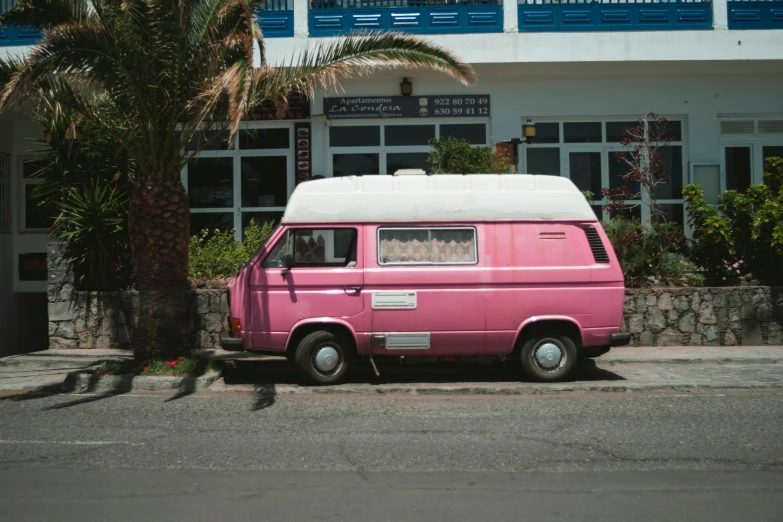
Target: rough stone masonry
671 316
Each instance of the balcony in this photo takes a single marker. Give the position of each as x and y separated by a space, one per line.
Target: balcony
755 14
337 17
614 15
276 18
16 35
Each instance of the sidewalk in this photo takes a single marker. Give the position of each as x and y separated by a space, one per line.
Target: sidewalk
649 367
48 369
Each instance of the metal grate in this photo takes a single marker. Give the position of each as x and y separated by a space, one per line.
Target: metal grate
771 126
737 127
5 193
596 245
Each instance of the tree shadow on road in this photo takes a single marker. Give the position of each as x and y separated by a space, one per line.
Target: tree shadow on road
263 397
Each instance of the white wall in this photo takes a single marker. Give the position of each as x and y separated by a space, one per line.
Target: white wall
619 91
511 46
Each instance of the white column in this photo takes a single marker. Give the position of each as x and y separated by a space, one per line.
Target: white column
720 15
510 17
300 18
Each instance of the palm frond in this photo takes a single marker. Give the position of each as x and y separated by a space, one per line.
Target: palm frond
360 54
45 13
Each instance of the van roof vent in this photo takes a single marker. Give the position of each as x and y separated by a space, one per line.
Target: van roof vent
410 172
596 245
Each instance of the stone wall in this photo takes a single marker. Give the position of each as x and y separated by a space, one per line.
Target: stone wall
87 320
655 317
729 316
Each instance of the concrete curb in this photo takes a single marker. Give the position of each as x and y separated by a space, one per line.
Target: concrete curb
481 389
88 381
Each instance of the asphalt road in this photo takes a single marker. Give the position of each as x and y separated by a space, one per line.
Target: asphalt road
260 456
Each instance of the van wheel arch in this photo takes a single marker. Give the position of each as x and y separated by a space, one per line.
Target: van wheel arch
306 329
562 326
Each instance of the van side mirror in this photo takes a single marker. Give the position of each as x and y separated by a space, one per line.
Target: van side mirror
288 262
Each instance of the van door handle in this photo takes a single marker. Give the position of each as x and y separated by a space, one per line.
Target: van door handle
352 289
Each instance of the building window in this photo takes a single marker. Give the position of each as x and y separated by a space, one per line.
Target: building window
384 148
251 181
746 143
586 152
33 217
427 246
5 193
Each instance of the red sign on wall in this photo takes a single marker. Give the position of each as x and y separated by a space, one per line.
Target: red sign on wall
32 267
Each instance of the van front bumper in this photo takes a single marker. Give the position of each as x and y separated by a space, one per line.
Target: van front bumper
620 339
232 344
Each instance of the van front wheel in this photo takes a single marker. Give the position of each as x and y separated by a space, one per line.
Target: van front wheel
548 357
323 357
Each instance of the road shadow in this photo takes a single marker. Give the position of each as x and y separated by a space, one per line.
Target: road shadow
264 396
77 384
265 374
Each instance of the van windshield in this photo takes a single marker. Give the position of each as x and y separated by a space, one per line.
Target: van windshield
262 246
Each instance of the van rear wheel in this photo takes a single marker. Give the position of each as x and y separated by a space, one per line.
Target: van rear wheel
323 357
548 356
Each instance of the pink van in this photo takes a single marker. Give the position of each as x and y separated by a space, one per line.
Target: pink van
507 266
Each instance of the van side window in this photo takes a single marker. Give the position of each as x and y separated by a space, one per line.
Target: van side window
313 247
427 246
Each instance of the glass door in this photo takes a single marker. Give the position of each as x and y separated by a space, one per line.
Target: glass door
737 167
585 169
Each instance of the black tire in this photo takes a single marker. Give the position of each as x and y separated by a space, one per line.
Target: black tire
310 346
535 370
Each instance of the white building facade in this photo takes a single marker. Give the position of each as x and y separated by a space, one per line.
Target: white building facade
581 71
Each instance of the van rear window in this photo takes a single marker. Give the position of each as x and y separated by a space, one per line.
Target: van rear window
427 246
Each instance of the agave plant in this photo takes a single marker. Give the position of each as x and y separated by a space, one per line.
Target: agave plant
166 69
92 221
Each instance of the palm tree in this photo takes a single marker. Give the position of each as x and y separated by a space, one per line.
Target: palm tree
167 69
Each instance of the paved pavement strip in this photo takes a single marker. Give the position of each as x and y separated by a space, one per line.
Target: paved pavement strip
622 369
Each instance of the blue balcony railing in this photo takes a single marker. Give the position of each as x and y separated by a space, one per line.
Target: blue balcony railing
755 14
614 15
16 35
276 18
335 17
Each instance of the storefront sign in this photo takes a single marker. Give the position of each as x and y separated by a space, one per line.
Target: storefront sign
450 106
32 267
303 150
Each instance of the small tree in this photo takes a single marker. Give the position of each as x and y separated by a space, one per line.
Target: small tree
645 166
458 156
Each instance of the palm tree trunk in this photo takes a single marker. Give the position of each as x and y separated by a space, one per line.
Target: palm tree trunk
159 228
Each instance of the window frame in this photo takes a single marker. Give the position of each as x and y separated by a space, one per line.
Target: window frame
236 154
607 149
21 190
289 232
382 150
429 239
755 140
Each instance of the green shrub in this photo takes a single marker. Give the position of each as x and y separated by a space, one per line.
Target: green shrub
217 255
458 156
638 248
85 182
743 234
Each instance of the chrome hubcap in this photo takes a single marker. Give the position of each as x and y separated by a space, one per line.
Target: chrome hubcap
549 354
326 358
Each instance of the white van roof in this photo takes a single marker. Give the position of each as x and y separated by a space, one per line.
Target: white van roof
442 197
